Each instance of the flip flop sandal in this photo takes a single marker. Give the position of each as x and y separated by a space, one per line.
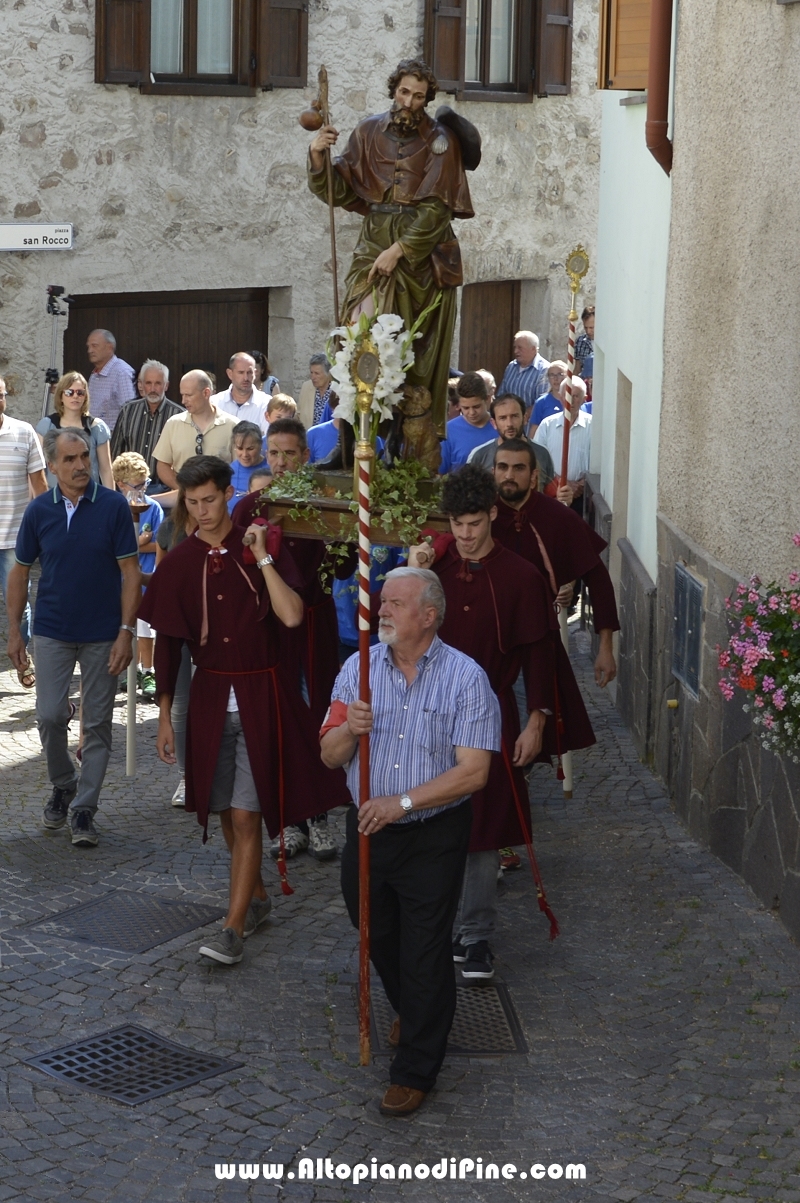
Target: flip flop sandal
26 676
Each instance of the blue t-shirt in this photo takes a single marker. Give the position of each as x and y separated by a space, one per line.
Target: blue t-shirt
323 438
240 480
545 407
149 523
79 598
345 593
462 438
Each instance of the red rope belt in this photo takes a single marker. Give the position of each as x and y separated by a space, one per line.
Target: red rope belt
537 877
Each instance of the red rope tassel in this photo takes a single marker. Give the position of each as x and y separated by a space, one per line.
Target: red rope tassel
541 897
281 862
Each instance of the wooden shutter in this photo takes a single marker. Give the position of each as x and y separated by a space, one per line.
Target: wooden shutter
624 44
282 44
445 32
552 71
122 51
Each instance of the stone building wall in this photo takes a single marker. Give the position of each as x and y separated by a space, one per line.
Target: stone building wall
181 192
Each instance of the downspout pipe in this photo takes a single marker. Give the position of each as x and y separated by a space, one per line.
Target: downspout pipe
655 130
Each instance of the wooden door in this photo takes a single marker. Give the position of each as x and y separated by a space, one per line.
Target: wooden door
196 329
489 321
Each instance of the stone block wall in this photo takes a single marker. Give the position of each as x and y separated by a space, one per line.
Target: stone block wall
740 800
636 656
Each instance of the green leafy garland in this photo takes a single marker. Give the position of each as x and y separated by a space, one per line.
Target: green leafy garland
401 500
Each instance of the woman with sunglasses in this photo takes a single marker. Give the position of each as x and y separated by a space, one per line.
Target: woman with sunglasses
71 405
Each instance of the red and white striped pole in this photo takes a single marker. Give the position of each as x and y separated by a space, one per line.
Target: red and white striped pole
364 458
577 267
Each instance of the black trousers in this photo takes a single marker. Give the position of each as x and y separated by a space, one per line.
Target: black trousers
415 883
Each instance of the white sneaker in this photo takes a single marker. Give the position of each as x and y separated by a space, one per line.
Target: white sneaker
320 843
294 841
179 797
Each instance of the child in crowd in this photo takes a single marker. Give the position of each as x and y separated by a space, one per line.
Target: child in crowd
281 405
247 456
131 475
261 479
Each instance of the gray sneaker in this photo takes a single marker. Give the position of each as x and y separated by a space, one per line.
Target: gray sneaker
294 841
257 913
83 831
320 843
55 812
227 947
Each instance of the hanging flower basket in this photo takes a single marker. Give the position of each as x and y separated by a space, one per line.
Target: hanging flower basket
762 658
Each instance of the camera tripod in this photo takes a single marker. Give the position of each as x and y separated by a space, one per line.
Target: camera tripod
54 291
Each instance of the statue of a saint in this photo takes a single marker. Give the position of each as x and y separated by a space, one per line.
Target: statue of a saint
405 173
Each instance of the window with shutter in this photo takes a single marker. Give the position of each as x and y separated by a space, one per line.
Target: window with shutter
500 49
624 44
553 66
121 41
216 47
283 44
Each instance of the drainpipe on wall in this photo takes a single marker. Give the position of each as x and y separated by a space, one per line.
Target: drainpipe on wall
655 130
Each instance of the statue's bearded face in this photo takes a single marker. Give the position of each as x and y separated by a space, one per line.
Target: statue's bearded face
408 103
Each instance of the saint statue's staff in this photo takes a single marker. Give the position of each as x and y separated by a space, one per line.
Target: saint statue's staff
313 119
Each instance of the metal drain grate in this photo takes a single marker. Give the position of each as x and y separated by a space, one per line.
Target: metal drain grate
130 1065
127 922
485 1022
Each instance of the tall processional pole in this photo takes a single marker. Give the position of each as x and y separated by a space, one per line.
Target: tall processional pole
577 267
366 369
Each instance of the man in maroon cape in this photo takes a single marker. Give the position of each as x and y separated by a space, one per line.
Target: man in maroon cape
499 613
312 649
553 538
250 737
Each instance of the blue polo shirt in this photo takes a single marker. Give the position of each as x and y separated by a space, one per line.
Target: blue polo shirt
79 596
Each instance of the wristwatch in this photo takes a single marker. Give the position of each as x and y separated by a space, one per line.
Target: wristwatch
123 627
406 803
267 559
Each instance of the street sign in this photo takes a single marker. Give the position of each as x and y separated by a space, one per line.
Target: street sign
24 237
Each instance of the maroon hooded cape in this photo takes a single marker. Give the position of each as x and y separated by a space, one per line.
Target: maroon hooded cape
220 607
315 644
571 550
498 612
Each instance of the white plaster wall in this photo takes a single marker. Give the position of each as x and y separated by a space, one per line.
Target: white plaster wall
187 192
632 248
730 430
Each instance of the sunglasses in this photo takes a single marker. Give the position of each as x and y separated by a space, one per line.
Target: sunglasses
198 444
74 392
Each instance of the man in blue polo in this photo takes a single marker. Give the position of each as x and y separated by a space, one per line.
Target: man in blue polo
89 592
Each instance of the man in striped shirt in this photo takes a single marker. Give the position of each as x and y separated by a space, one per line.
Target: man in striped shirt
433 724
526 375
21 467
140 422
111 383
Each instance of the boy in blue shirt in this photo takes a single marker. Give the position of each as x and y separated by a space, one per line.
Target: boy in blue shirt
247 456
472 428
131 475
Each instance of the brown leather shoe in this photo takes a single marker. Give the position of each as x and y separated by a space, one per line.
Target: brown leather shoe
394 1034
401 1100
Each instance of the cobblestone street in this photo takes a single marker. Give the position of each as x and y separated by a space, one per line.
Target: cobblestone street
664 1051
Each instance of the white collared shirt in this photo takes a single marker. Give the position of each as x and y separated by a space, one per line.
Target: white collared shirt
253 410
550 434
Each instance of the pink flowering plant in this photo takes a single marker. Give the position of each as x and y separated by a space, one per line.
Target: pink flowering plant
763 659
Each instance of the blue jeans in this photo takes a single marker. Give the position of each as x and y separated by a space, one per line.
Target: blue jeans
7 562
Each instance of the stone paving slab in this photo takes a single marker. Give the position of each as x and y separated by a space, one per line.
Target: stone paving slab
662 1025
